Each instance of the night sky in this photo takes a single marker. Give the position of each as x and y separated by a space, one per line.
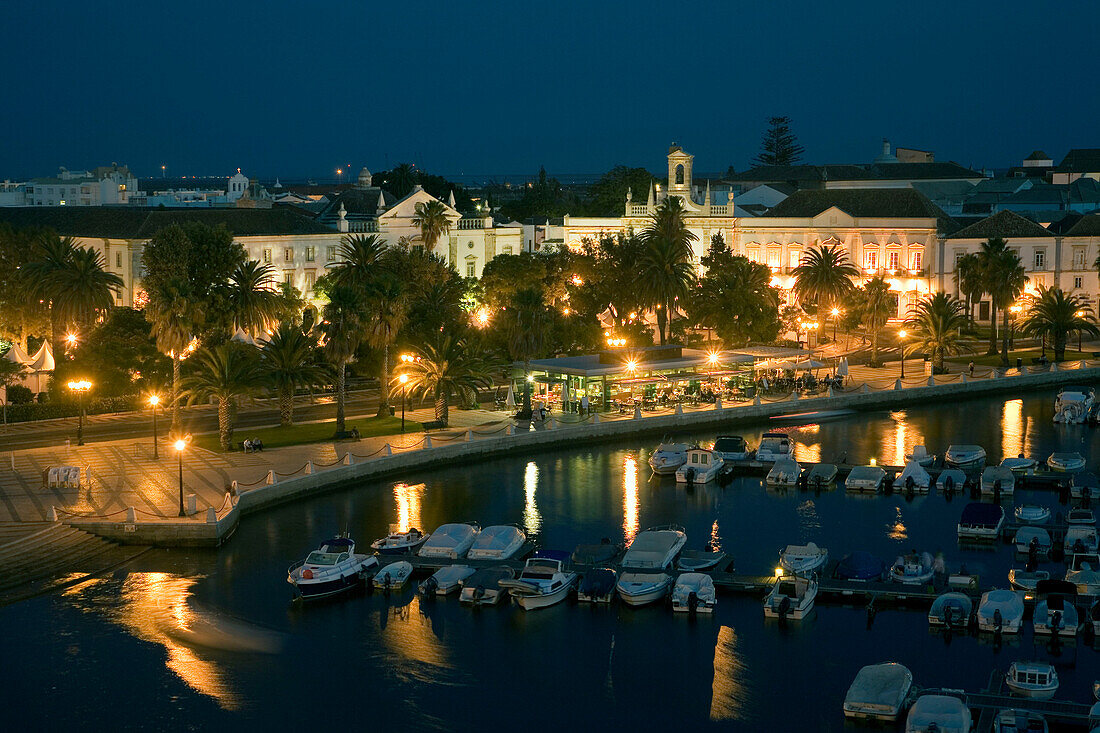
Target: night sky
297 89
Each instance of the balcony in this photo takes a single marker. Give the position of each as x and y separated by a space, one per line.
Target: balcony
476 223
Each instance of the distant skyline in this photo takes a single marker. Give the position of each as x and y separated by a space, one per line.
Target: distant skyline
289 90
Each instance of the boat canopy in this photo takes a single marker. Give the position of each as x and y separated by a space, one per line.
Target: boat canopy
1024 535
860 565
672 448
976 514
1008 602
730 444
498 537
652 548
336 544
1048 587
867 473
879 687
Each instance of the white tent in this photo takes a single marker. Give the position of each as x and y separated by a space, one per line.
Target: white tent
41 362
16 354
241 337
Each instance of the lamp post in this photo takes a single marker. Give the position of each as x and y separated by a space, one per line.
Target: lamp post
404 379
80 387
901 338
1080 314
180 445
154 400
1015 311
835 313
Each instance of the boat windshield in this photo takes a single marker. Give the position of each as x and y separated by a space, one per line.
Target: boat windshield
731 445
323 558
538 574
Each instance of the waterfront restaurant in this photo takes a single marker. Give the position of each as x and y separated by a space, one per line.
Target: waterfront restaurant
652 376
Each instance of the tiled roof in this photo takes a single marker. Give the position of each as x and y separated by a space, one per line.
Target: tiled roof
846 172
141 223
358 202
1080 160
884 203
1006 224
1037 155
1088 226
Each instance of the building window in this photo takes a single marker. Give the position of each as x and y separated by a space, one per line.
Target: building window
754 255
267 256
1078 282
118 259
794 258
892 260
311 280
959 254
471 268
506 250
288 277
311 254
870 260
330 254
1040 259
1079 258
915 261
773 258
288 254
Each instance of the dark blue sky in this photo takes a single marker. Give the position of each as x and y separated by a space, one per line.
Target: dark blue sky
296 89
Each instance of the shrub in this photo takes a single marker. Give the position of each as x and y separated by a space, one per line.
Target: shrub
19 395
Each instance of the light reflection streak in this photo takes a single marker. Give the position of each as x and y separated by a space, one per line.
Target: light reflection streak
413 639
1012 428
897 530
728 692
630 498
532 520
715 536
408 506
899 441
807 452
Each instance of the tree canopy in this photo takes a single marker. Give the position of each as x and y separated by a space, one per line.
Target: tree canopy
779 146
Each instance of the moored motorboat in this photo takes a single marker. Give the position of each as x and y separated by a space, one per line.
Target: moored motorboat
1084 572
498 542
913 568
597 586
482 588
694 561
655 548
641 588
1080 538
1035 680
861 566
394 576
774 446
865 479
1026 580
543 581
1055 610
951 480
600 554
1035 539
998 481
1084 485
332 568
702 466
802 559
821 476
981 521
913 479
732 448
446 580
694 593
792 597
878 692
1080 516
951 610
399 543
784 474
1032 514
938 714
1072 405
1001 611
1019 721
668 457
920 456
965 456
1067 462
450 541
1020 466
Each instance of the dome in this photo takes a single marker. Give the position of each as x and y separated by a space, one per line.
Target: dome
364 178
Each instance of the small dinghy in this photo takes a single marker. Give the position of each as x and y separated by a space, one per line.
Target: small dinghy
399 543
998 481
821 476
965 456
951 610
702 466
938 714
914 568
394 576
1020 721
694 593
499 542
446 580
774 446
878 692
483 587
1066 462
1026 580
1035 680
450 541
667 458
330 569
1084 572
1032 514
1033 537
1081 516
639 589
600 554
1001 611
694 561
542 582
1084 485
920 456
913 479
597 586
732 448
1055 610
865 479
951 480
861 566
981 521
784 474
1020 466
1080 538
792 597
803 559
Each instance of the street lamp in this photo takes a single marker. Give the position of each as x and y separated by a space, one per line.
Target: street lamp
154 400
1080 314
179 446
404 379
901 336
835 313
80 387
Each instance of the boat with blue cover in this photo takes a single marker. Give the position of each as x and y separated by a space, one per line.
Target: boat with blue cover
952 610
981 521
332 568
597 586
861 566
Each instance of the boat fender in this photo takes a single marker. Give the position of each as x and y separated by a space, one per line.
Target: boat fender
307 574
431 585
693 601
784 607
910 484
479 592
998 620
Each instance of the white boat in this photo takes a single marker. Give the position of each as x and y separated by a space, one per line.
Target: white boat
965 456
640 588
1084 485
803 559
732 448
774 446
865 479
821 476
1066 462
1036 680
668 457
450 541
920 456
694 593
1026 580
784 474
394 576
1032 514
482 588
654 548
702 466
792 597
938 714
399 543
951 480
1080 538
1084 572
951 610
1001 611
694 561
1037 537
446 580
878 692
1019 721
998 481
542 582
913 568
981 521
1019 465
601 554
597 586
332 568
1055 610
498 542
1080 516
1072 405
913 478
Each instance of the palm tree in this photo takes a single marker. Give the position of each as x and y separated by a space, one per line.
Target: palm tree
288 361
992 249
357 260
171 316
53 255
669 225
934 324
447 368
877 305
970 280
431 218
401 179
824 276
665 265
343 325
223 373
1056 314
253 299
388 308
1006 280
526 320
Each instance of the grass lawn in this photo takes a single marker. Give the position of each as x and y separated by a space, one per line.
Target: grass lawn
318 432
980 358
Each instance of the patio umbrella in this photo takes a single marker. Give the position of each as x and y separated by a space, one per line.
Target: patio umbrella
782 365
809 364
842 368
510 401
564 394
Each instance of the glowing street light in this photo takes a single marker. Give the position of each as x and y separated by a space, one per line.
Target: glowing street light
901 336
71 339
180 445
154 400
835 313
80 387
404 379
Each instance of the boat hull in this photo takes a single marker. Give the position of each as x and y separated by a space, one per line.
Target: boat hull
309 591
651 593
542 600
1033 693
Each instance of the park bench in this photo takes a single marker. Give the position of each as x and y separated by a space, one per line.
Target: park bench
433 425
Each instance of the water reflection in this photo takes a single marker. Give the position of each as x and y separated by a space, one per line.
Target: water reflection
807 452
630 498
715 536
899 438
414 640
808 520
532 520
1012 428
408 505
897 530
727 691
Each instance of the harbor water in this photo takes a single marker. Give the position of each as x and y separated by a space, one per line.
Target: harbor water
204 639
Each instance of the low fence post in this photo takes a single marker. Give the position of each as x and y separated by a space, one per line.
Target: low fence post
794 397
865 389
931 381
469 435
1053 366
717 403
756 401
270 478
346 460
387 450
51 515
596 418
964 378
679 409
427 442
830 393
637 412
897 384
309 468
211 515
549 423
236 487
131 515
510 430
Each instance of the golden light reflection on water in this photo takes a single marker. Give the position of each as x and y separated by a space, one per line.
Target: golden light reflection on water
414 640
408 505
728 692
715 536
630 498
1013 428
807 452
532 520
808 520
899 441
897 530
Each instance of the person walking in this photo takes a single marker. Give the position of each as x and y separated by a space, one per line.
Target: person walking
972 368
584 404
